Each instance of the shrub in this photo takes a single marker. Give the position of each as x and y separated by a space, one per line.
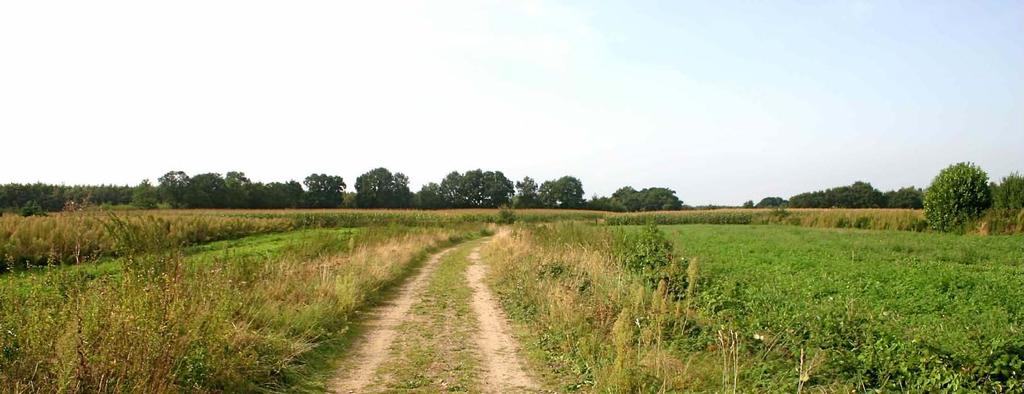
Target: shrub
1009 194
959 193
649 254
506 215
32 208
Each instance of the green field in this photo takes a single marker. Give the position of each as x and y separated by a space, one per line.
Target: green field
598 305
887 309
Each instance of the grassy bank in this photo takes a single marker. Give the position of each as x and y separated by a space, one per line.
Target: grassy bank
212 322
767 308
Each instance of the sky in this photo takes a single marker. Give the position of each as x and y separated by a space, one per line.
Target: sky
721 101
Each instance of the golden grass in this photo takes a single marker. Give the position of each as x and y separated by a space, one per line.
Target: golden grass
164 325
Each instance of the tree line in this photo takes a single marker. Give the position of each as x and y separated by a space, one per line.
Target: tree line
377 188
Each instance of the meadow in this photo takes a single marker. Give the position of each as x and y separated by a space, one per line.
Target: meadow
766 308
747 300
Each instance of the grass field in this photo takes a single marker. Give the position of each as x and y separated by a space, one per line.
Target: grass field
771 309
756 301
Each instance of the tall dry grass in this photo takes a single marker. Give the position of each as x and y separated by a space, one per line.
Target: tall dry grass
80 236
165 325
588 319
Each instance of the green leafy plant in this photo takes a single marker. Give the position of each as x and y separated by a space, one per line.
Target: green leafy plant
959 193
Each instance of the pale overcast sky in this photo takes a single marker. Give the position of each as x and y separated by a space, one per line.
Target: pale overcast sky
721 101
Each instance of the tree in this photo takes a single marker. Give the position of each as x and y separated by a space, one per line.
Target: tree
628 198
1009 194
565 192
858 195
749 204
959 193
526 194
659 199
324 191
430 197
771 202
605 204
498 189
206 191
145 195
379 188
907 197
173 187
237 189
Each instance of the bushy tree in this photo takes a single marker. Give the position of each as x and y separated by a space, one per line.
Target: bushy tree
145 196
959 193
526 194
858 195
324 191
173 188
564 192
430 197
379 188
237 190
748 204
1009 194
206 191
771 202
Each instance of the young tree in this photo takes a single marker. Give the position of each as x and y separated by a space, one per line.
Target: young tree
1009 194
145 196
957 195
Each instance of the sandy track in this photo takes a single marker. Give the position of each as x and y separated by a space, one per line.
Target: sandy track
372 350
503 368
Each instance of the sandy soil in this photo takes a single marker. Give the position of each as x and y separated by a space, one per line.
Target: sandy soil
504 371
372 350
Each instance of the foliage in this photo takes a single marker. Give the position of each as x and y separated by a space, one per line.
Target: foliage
649 199
748 204
324 191
145 196
1009 193
475 189
858 195
959 194
906 198
564 192
31 208
771 202
506 215
527 194
649 254
379 188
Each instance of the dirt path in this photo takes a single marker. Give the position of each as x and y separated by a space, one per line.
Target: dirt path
504 370
443 332
372 350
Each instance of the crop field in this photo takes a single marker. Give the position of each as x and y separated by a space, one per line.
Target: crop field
760 300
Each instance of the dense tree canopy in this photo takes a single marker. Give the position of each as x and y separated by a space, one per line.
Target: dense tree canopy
649 199
324 191
771 202
379 188
858 195
564 192
527 194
